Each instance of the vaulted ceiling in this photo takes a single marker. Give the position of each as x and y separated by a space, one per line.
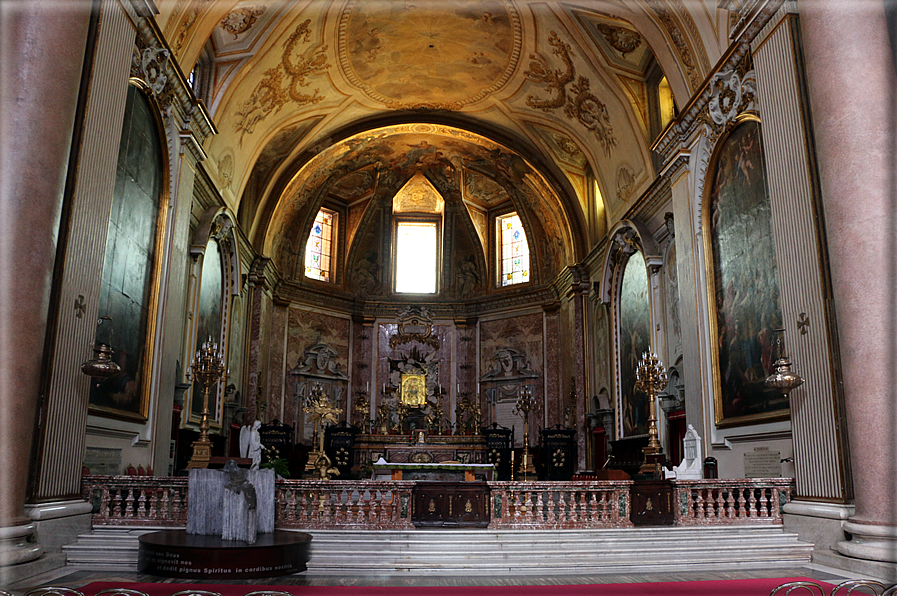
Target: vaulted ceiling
496 100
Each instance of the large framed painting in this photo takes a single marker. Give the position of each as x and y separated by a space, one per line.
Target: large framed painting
634 340
742 284
209 326
131 270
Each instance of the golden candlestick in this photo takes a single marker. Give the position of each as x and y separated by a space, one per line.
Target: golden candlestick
526 403
651 378
207 368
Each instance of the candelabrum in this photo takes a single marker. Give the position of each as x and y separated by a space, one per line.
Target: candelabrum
362 410
526 403
322 412
207 369
651 378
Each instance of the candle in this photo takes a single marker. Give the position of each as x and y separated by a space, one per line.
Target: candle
368 387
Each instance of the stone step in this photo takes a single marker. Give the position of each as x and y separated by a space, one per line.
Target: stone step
360 552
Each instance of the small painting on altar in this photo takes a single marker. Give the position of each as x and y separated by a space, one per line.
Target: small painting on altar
414 389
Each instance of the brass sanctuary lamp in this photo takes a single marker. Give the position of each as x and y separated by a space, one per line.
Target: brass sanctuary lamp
783 378
651 378
526 403
207 368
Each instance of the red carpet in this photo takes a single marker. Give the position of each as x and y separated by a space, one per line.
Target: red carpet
740 587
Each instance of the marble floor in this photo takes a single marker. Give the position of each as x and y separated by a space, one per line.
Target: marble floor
74 578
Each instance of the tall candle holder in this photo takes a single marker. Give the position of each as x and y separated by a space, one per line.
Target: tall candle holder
362 410
207 368
651 378
526 403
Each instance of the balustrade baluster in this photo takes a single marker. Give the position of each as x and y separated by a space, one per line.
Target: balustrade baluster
720 503
774 504
752 503
741 502
154 505
341 513
116 500
165 504
699 505
730 504
141 504
105 503
764 510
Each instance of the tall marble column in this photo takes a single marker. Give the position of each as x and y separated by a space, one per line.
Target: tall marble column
42 43
851 80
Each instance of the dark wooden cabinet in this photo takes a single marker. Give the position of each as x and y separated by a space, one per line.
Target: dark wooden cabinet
499 442
450 504
652 503
557 453
339 442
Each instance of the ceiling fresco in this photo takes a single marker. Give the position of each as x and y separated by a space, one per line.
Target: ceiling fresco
423 54
540 96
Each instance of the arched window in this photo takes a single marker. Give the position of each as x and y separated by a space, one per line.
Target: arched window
417 218
319 250
513 250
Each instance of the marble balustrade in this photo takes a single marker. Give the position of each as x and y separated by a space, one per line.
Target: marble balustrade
731 502
556 505
160 501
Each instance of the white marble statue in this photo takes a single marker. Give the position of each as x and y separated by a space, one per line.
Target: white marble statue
251 443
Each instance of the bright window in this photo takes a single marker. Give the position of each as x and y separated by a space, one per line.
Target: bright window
416 257
513 250
319 249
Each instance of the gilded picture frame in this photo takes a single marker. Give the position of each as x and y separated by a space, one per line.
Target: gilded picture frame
126 396
742 287
414 389
209 325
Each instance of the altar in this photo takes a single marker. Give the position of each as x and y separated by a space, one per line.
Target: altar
421 448
444 472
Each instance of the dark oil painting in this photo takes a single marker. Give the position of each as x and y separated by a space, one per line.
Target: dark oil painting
126 292
745 290
635 340
208 326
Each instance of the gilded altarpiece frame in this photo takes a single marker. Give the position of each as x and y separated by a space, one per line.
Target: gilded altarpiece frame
743 291
131 325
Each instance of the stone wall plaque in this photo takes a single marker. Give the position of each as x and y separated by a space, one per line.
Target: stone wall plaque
103 461
763 463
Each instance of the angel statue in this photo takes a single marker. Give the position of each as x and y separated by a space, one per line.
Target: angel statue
251 444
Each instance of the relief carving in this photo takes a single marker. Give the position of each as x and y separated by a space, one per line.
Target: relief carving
270 94
620 39
240 20
580 104
730 96
148 64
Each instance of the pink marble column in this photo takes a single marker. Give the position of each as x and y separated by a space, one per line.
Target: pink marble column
43 51
42 43
851 79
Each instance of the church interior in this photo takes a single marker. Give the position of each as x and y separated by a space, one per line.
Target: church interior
642 248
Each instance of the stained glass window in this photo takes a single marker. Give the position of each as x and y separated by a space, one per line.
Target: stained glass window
319 249
416 257
513 251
